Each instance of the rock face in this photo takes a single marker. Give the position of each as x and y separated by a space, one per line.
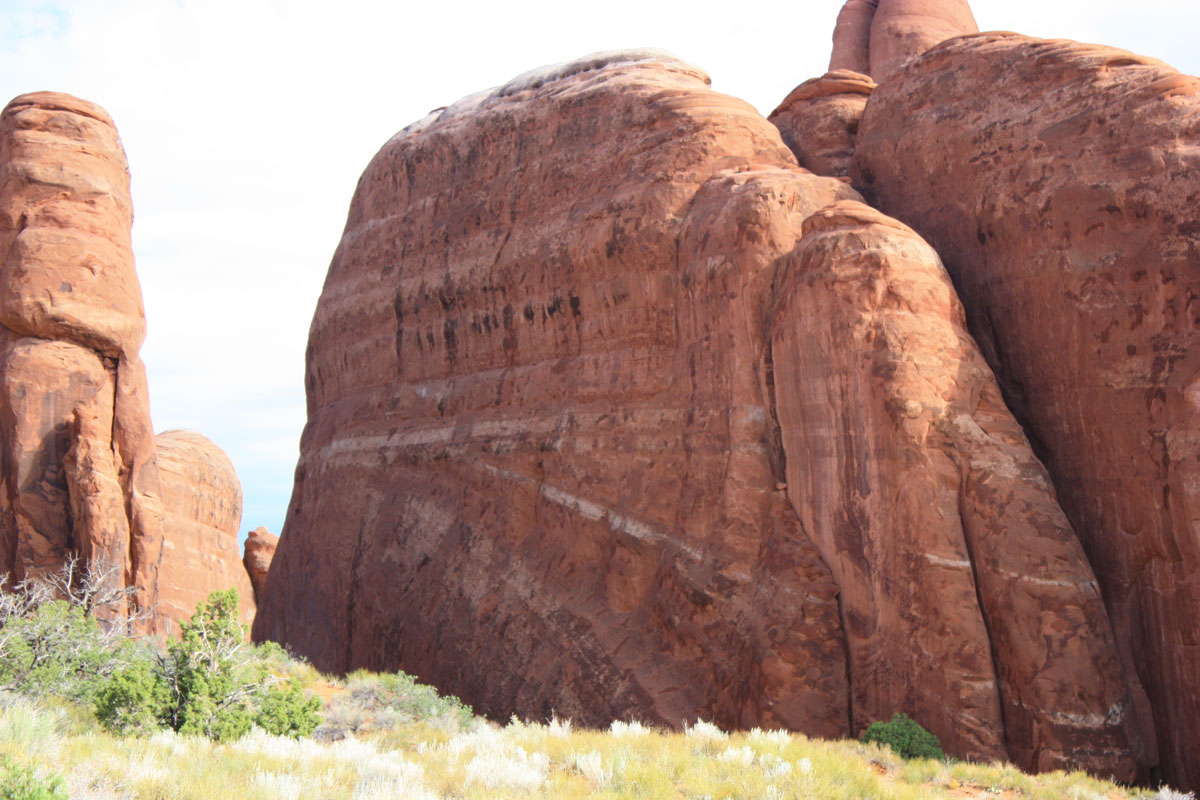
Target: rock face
260 549
540 468
78 449
1062 194
877 37
819 121
78 458
203 500
643 420
928 504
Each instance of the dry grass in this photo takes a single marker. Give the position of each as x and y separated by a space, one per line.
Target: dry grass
423 760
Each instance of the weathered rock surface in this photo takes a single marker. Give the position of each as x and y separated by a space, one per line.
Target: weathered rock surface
581 429
203 500
1058 182
928 504
260 549
819 121
877 37
78 460
536 471
72 323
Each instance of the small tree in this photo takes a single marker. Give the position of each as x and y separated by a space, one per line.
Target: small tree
209 682
905 736
50 642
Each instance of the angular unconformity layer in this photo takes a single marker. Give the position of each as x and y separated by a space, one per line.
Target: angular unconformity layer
964 591
878 37
71 324
1058 182
540 468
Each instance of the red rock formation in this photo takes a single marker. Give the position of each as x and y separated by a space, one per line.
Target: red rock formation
545 466
72 324
819 121
260 549
877 37
78 467
1058 181
203 500
927 503
536 471
852 37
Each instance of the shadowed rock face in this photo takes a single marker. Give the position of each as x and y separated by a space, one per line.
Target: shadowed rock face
1061 192
203 500
877 37
605 412
819 121
78 460
71 324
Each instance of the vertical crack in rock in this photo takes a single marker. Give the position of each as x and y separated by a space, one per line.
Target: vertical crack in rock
352 598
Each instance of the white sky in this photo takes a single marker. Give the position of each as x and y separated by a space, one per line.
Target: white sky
248 122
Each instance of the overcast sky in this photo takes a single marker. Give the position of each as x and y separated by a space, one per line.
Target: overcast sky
248 122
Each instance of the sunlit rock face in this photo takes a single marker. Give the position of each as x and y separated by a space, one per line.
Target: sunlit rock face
960 576
202 497
1058 182
79 462
819 120
259 552
540 467
71 325
878 37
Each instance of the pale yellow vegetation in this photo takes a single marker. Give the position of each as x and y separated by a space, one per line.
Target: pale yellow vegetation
423 761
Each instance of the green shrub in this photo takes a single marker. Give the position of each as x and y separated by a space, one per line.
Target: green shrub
374 701
288 711
22 783
50 642
131 700
210 682
907 738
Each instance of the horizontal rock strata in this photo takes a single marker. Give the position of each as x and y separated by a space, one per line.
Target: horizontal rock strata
536 471
558 460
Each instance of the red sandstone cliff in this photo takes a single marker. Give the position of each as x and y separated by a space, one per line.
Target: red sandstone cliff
615 411
536 469
1061 192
